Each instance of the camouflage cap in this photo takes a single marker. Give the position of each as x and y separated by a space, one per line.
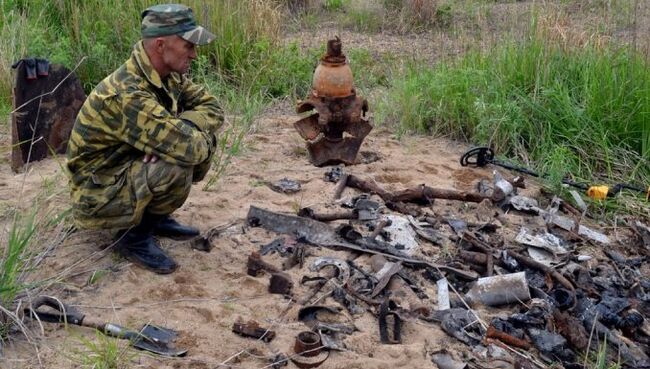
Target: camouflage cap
174 19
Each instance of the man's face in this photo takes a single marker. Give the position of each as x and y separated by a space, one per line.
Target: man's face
177 54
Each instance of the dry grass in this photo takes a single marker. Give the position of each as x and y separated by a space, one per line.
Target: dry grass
12 48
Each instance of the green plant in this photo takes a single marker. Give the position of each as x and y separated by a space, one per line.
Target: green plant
600 360
102 353
15 257
334 5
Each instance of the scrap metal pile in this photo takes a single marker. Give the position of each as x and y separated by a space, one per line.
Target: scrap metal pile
519 296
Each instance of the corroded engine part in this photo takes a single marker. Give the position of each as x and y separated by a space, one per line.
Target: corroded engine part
335 131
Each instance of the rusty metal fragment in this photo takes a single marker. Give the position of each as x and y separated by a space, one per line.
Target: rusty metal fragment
46 104
280 283
253 329
308 348
256 265
336 128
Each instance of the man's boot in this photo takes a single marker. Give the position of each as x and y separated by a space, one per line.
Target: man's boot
169 227
140 247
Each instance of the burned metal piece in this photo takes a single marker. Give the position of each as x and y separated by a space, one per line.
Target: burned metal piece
334 175
425 232
329 332
297 257
458 323
335 131
280 283
256 265
279 245
341 296
46 105
444 360
386 309
348 233
252 329
308 348
285 185
327 217
343 270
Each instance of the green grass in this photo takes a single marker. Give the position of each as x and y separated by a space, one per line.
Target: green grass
334 5
578 111
102 352
14 258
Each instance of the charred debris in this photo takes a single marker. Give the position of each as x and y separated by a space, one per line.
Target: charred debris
518 297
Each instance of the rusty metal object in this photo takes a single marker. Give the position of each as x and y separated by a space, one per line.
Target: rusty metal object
335 131
386 309
508 339
343 270
308 348
280 283
256 265
253 329
42 125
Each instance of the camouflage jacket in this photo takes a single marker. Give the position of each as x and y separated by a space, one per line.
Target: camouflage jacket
130 113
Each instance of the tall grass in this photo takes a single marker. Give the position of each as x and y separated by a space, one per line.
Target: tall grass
583 111
64 31
13 43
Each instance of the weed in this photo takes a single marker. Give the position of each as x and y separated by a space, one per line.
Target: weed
102 353
364 19
334 5
600 360
96 276
14 260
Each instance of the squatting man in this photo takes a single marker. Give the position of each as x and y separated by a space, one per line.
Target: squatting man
142 137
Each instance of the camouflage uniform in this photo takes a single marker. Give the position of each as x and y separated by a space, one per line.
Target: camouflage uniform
130 113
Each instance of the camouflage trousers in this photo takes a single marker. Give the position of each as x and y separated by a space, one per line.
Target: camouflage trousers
157 188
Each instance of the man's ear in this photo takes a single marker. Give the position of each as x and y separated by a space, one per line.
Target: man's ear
159 44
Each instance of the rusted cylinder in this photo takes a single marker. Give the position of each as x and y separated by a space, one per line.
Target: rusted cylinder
333 76
307 344
500 289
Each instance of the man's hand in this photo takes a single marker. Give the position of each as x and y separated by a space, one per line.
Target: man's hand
149 158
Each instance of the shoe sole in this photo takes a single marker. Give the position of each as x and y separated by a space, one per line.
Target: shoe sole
143 266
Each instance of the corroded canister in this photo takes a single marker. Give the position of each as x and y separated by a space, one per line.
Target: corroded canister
333 75
338 124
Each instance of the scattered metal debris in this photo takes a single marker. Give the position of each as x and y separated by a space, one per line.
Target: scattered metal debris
552 292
